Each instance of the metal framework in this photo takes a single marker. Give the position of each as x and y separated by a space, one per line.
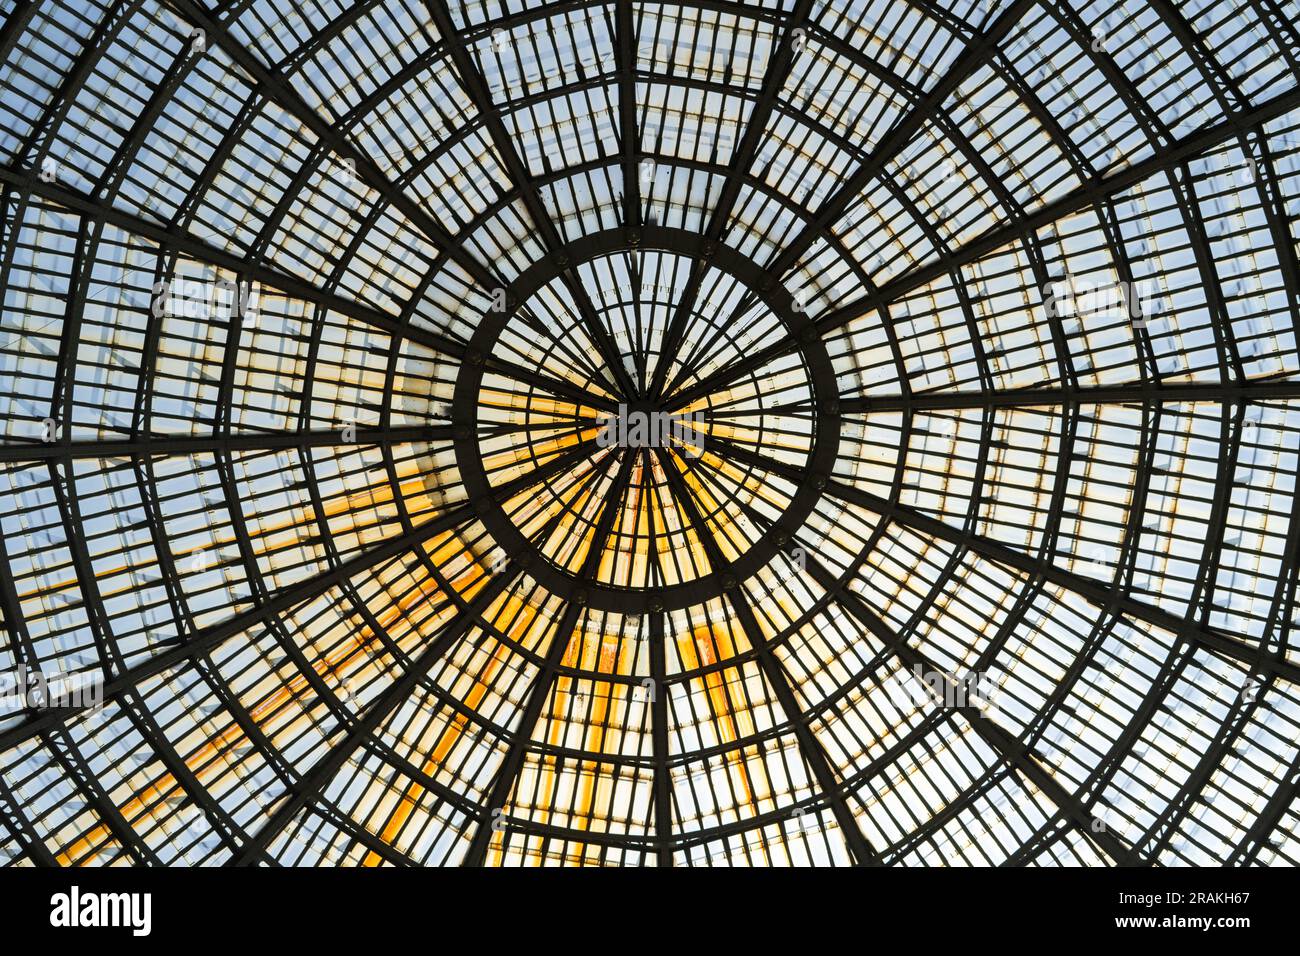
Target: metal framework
973 538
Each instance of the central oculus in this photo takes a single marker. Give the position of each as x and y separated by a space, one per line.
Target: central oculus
643 424
548 443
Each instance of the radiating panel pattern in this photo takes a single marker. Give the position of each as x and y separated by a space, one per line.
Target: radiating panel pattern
700 433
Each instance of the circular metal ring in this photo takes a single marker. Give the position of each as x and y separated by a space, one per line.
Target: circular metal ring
562 582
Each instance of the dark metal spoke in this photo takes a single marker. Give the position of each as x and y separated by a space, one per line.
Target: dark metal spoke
289 597
778 69
1177 152
512 763
663 800
814 754
277 89
324 770
296 288
224 443
628 131
1102 595
1003 743
1136 393
971 58
472 81
976 53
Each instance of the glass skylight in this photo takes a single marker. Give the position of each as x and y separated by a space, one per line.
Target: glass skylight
647 433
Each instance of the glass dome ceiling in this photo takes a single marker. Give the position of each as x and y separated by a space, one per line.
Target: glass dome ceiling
328 332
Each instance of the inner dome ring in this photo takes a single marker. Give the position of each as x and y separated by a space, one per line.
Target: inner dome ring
502 528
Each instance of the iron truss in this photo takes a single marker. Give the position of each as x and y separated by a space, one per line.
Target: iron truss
968 532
